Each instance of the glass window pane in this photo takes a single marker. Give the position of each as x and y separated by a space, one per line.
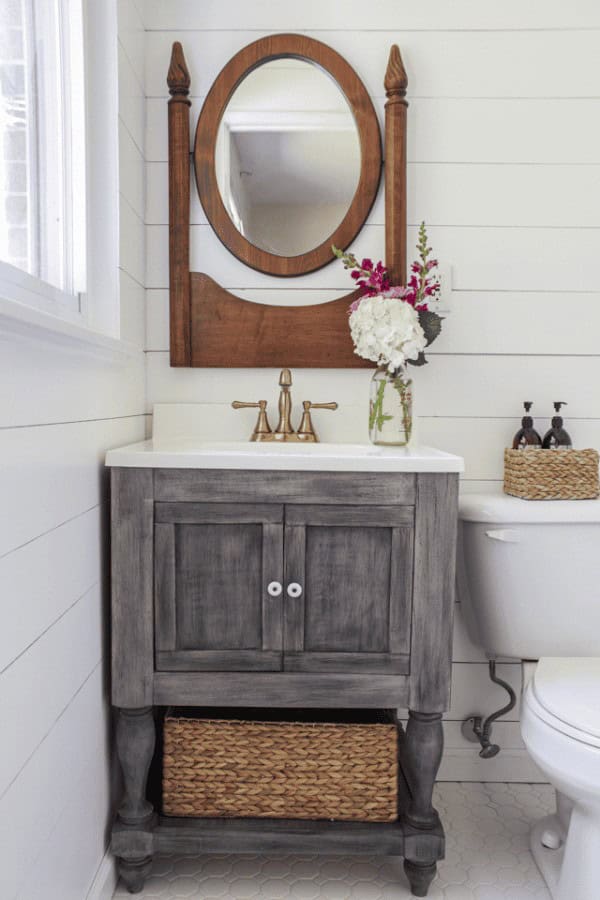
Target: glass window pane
18 200
33 59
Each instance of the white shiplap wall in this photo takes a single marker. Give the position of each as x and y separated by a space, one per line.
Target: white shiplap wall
504 165
60 410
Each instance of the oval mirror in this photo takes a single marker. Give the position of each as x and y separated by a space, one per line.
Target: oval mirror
287 157
287 154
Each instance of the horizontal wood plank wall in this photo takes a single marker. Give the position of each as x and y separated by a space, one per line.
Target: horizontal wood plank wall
504 165
59 412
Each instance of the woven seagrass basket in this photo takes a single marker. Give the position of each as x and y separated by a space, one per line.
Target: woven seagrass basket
551 474
319 768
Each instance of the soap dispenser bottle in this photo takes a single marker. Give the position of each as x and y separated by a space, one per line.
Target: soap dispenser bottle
527 437
557 438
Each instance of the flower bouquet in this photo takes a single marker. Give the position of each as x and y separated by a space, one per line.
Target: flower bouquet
392 325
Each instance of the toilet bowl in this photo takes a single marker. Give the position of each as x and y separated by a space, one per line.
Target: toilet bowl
560 724
530 589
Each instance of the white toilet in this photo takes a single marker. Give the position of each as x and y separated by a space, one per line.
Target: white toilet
529 581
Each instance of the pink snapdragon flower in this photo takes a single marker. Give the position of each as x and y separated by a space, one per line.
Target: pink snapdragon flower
372 279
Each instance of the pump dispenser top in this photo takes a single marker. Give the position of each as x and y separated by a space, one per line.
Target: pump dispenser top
557 438
527 437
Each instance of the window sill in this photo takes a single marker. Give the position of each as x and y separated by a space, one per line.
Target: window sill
18 320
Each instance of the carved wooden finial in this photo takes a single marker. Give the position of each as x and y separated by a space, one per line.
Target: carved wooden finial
178 77
396 79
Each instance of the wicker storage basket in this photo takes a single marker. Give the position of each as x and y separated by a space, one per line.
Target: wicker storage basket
319 768
551 474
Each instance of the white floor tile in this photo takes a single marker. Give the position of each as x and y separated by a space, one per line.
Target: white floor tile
487 858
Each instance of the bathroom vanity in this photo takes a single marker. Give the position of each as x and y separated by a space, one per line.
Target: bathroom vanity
281 573
293 576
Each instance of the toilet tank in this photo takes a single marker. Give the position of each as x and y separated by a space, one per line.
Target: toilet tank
529 575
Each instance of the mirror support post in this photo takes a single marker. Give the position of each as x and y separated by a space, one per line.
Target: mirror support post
178 80
395 83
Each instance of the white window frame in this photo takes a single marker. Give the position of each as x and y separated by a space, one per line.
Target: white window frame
29 305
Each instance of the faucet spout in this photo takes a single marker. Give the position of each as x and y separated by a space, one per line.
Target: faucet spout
284 426
284 431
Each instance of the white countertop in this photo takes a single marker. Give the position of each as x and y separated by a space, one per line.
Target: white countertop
191 453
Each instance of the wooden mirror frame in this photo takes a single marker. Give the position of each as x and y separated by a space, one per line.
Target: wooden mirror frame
209 326
287 46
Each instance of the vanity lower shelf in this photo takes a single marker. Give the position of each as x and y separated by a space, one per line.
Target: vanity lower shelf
264 836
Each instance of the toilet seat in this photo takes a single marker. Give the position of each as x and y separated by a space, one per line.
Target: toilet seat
565 693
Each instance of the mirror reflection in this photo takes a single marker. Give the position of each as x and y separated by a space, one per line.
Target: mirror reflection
287 157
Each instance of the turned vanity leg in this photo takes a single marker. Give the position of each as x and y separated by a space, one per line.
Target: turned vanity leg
134 872
135 748
424 743
135 741
420 875
421 756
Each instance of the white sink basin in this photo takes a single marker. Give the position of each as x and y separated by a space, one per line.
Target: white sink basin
191 453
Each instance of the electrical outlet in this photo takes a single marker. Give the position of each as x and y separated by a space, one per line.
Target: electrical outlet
445 276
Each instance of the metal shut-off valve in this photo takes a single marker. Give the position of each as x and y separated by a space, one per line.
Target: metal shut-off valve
285 431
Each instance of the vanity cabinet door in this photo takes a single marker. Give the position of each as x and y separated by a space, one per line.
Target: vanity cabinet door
218 586
348 579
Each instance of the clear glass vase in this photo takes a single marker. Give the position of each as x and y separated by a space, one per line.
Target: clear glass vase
391 407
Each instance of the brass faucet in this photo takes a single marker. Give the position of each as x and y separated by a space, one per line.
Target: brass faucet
285 430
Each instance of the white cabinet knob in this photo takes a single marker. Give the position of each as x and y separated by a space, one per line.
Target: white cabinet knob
294 589
274 589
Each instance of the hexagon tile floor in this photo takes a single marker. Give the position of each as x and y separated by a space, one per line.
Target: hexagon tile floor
487 858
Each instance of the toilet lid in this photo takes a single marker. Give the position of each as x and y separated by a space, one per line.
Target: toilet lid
500 509
569 689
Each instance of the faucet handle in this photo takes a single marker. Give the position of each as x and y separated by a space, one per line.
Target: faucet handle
262 426
306 431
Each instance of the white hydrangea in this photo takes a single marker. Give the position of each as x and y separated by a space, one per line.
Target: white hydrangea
387 331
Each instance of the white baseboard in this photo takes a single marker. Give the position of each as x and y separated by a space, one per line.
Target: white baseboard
105 881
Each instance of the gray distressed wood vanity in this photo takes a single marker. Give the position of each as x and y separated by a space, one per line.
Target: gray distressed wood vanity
289 588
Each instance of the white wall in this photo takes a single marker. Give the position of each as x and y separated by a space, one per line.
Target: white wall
60 410
503 151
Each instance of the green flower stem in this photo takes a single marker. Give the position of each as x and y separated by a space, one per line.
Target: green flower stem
376 414
424 252
403 392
